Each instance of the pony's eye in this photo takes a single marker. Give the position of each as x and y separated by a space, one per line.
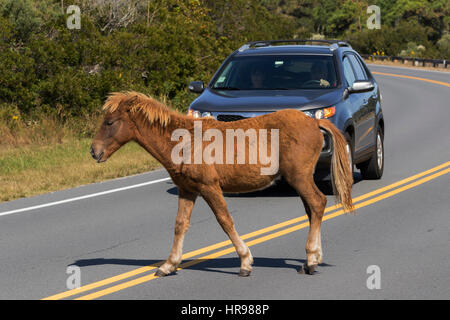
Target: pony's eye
108 123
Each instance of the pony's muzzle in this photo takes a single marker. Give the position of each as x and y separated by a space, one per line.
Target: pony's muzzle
97 156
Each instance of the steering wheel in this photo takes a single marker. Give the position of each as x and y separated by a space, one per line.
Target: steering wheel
312 82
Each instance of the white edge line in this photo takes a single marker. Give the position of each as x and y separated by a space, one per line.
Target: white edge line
83 197
407 68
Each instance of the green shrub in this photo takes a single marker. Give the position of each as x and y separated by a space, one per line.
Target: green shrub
159 46
444 46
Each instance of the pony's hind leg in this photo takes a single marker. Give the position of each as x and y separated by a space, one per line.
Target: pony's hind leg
214 197
186 202
314 202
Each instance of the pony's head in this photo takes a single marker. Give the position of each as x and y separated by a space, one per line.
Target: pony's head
123 110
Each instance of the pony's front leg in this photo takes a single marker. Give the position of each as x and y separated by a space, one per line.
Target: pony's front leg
186 202
214 197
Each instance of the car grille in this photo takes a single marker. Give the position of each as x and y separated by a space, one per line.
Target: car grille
229 117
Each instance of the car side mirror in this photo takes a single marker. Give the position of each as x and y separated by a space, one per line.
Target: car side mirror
361 86
196 86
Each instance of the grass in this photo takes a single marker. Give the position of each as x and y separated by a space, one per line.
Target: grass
44 156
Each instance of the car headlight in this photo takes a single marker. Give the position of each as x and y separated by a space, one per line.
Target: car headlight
198 114
194 113
309 114
322 113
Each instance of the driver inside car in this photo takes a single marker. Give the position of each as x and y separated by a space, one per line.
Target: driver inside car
257 78
319 73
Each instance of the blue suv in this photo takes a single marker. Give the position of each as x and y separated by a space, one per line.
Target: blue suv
324 79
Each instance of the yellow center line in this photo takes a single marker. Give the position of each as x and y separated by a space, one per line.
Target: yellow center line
141 270
147 278
258 232
411 77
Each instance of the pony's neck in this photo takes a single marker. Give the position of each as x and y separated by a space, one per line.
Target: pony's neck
156 139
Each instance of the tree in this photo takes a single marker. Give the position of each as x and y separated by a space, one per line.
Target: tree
444 46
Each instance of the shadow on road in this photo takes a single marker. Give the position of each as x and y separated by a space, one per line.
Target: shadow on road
280 189
210 265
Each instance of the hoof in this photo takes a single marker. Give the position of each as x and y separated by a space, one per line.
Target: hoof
244 273
308 269
160 273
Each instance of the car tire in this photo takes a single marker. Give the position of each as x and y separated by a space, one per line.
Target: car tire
373 168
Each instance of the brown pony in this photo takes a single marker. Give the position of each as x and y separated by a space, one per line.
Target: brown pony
135 116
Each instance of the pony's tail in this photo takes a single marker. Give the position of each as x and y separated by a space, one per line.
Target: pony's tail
342 177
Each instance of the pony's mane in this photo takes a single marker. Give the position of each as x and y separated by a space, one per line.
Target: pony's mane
153 110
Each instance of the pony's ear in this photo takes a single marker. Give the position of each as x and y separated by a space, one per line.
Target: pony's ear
122 100
113 101
130 101
133 102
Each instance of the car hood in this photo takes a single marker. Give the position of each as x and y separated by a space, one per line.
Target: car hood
265 100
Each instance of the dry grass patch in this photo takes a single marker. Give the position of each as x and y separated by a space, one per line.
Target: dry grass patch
31 170
43 154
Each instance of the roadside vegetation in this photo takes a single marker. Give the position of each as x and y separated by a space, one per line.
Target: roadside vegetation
55 79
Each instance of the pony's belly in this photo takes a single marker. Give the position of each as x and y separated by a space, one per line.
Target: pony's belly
249 185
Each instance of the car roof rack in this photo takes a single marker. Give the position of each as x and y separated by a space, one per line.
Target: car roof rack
265 43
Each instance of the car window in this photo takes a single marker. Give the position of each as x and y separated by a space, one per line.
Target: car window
364 67
277 72
225 75
348 71
360 73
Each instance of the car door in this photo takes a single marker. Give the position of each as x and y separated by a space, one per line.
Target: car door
366 114
354 102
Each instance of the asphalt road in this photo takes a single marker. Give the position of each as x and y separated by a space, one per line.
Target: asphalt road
403 230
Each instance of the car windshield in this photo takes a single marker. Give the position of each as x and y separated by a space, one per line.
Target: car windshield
288 72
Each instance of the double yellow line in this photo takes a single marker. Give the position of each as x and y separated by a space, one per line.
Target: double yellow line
271 233
411 77
292 225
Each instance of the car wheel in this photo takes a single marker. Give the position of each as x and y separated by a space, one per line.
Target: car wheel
372 169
